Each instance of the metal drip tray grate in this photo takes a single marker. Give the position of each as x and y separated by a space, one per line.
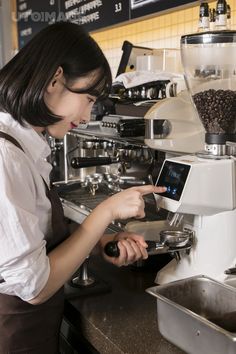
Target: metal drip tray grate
82 197
90 203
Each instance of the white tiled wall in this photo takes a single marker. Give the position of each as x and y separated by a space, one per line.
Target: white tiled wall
162 31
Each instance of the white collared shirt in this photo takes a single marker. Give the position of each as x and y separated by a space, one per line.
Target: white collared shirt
25 211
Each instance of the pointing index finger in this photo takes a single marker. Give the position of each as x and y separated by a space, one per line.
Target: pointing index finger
143 190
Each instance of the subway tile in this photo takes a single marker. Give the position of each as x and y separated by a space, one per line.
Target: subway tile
162 31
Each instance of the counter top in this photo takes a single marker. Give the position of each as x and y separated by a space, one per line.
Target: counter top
123 320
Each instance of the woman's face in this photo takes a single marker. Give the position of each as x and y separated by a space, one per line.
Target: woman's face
73 107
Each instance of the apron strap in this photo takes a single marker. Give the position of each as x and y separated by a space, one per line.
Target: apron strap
22 326
59 226
11 139
17 144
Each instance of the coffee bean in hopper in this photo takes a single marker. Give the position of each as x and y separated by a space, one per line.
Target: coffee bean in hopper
217 110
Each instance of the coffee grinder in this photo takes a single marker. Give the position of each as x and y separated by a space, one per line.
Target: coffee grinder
201 187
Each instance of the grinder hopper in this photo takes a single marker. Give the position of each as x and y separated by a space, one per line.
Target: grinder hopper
210 72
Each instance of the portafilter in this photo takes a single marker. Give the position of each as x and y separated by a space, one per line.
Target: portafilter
170 239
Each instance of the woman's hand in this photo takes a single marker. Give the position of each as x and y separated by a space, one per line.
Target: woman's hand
132 248
129 203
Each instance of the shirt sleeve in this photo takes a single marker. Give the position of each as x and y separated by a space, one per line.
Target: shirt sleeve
24 264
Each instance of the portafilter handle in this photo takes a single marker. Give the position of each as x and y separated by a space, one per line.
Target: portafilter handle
80 162
111 249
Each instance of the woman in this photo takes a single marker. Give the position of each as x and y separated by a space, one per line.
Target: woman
49 86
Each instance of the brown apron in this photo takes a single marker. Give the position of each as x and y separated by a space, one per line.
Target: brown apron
34 329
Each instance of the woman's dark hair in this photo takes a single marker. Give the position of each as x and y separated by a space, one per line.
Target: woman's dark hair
24 79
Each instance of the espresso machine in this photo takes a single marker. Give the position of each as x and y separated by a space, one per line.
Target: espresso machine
201 186
92 162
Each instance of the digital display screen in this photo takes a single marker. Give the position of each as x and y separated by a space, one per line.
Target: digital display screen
173 176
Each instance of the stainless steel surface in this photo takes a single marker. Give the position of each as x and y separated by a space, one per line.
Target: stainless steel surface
216 149
93 181
83 279
173 238
209 155
74 212
78 203
78 214
97 133
116 126
136 161
174 219
174 250
116 182
83 198
185 309
131 159
173 242
231 148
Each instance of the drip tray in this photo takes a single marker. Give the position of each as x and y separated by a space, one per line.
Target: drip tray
81 197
